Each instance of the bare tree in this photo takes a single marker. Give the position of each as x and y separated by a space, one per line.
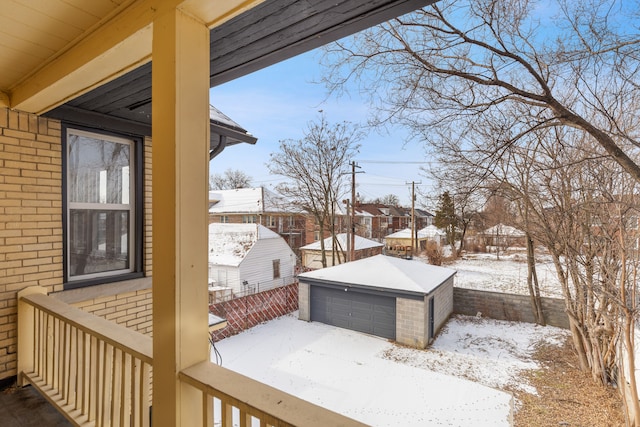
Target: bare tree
316 169
230 180
453 64
389 200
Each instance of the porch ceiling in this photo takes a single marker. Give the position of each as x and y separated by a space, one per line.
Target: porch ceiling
35 43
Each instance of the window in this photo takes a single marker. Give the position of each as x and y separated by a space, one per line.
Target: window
224 219
102 215
271 221
249 219
276 268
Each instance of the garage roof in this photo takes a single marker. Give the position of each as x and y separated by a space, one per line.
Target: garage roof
384 272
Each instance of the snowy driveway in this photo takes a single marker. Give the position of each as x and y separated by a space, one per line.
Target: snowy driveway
371 380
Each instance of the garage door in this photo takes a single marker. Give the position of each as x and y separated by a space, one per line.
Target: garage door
372 314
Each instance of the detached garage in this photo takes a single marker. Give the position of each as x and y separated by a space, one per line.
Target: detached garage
404 300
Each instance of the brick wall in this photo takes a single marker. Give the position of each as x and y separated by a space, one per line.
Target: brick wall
31 230
411 322
246 312
30 217
500 306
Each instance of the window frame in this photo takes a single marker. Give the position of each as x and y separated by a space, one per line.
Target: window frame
136 210
249 219
276 268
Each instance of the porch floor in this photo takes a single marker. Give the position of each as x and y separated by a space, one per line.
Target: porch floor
25 407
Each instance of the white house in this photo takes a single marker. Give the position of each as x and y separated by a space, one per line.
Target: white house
248 258
434 234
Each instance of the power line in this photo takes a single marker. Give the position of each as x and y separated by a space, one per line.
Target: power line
396 162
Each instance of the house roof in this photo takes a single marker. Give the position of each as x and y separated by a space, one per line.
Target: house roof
406 234
254 200
423 213
503 230
360 243
431 231
230 243
384 272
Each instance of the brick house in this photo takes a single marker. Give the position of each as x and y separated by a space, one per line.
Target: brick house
262 206
376 221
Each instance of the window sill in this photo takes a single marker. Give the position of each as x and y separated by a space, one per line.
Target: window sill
72 296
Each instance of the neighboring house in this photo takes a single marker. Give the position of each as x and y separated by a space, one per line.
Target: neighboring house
403 238
423 218
248 258
105 137
404 300
434 234
260 206
312 254
503 236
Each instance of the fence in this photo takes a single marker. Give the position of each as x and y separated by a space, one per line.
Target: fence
501 306
251 310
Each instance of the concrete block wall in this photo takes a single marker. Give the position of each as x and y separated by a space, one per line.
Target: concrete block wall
500 306
411 322
304 301
443 304
31 230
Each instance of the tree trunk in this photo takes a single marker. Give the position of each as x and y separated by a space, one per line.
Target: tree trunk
532 283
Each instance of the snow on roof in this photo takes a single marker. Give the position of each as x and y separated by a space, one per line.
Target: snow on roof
220 117
360 243
229 243
503 230
406 234
385 272
250 200
431 231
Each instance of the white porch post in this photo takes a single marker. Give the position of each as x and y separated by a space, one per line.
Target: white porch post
180 191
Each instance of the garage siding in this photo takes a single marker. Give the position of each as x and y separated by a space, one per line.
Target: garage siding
358 311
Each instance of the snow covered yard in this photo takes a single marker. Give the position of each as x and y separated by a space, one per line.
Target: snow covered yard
508 274
379 383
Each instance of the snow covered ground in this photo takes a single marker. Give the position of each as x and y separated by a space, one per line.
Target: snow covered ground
456 382
508 274
381 384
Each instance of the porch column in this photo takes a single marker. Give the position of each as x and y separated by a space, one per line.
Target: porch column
180 197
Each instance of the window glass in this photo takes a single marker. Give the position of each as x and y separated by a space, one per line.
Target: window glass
100 205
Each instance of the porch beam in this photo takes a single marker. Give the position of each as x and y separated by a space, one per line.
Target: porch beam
180 133
117 45
4 99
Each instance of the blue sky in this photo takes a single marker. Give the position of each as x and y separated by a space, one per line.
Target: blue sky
278 102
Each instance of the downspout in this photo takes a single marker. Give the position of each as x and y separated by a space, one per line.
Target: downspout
222 144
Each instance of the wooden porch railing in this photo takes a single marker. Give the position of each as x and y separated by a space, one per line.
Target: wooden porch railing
98 373
230 399
94 371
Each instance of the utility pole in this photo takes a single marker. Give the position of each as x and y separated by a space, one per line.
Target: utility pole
352 225
414 231
349 244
